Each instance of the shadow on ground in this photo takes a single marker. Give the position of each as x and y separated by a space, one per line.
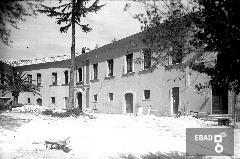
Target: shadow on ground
11 123
171 155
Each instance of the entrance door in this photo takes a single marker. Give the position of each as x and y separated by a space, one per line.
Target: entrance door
219 101
129 102
39 101
79 97
66 102
175 99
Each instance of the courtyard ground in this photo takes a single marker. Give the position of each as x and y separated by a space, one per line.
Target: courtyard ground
23 135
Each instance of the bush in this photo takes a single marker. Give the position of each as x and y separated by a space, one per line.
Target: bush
74 112
4 107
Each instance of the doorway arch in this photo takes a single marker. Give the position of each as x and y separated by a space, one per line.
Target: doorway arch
129 102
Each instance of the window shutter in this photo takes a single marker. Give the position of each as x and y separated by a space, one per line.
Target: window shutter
91 72
124 65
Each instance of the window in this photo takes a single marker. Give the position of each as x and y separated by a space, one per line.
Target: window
95 99
95 71
29 77
110 67
176 55
38 79
129 60
53 100
29 100
147 59
146 94
110 96
80 74
54 78
2 78
66 77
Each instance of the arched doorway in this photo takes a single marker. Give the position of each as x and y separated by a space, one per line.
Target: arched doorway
39 101
79 97
129 102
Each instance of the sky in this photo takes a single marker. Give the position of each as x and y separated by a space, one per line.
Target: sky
39 37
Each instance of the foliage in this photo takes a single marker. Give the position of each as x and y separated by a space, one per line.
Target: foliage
67 113
17 82
71 13
201 34
67 14
160 155
11 13
219 29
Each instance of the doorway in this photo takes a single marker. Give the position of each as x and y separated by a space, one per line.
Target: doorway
175 100
219 101
129 102
39 101
79 97
66 102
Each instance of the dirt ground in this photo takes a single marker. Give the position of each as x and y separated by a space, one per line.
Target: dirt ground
23 135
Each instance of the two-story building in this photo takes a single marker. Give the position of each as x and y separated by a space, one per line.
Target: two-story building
110 80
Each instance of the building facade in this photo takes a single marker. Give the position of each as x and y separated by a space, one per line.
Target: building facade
110 79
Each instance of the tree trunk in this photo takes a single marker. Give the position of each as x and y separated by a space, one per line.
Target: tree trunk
15 100
71 84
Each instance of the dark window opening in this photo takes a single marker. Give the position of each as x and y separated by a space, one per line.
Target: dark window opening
53 100
29 78
177 55
219 100
29 100
39 79
80 75
146 94
110 67
95 99
129 59
95 71
147 59
54 78
110 96
66 77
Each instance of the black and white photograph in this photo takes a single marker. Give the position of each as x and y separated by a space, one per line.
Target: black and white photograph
119 79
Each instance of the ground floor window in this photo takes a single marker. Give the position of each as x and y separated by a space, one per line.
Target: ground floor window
53 100
146 94
29 100
95 98
110 96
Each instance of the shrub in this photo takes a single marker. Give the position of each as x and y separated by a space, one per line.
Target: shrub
67 113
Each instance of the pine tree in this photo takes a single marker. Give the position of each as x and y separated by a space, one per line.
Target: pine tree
70 13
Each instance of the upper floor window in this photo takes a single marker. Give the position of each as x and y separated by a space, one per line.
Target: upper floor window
54 78
176 55
95 71
29 77
2 78
80 74
66 77
147 59
129 60
110 67
39 79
